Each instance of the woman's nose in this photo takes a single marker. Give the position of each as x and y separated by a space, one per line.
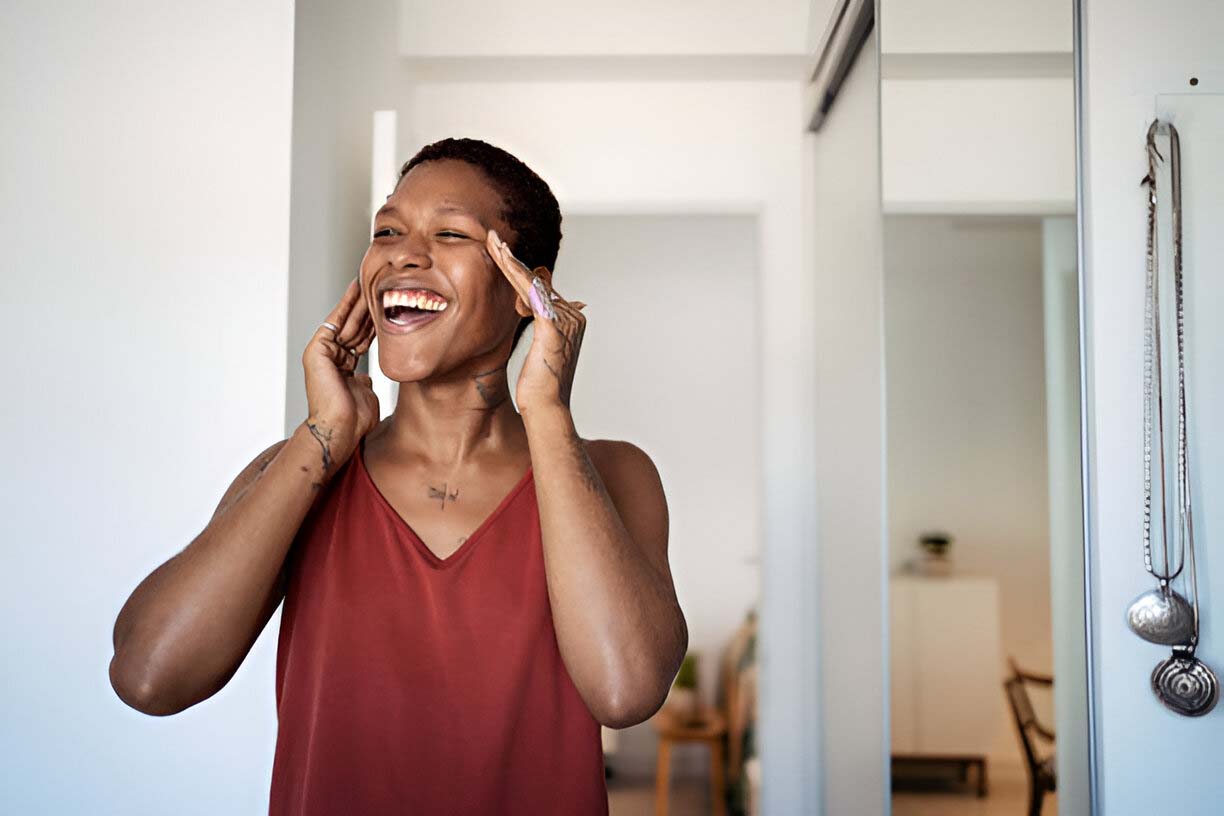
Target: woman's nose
409 250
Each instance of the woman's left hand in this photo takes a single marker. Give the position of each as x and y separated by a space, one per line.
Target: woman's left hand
548 371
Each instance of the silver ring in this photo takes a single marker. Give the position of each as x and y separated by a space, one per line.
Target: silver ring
330 325
353 352
553 296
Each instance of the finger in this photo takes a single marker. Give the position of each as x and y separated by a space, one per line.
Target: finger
351 328
339 314
351 355
354 338
362 344
367 341
541 299
332 350
569 310
502 257
531 284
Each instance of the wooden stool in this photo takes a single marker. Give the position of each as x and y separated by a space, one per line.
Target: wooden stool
712 729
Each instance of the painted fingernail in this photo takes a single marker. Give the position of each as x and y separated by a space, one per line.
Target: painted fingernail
539 299
537 305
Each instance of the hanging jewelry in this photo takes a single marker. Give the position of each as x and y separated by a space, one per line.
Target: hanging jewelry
1159 615
1182 682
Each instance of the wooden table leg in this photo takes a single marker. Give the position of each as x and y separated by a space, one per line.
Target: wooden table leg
718 788
663 777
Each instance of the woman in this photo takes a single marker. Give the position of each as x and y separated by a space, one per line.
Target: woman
470 591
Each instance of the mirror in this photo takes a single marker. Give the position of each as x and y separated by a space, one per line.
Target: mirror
983 392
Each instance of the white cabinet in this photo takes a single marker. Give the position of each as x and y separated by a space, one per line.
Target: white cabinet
946 666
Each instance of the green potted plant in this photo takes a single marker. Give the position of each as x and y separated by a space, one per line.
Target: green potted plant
682 699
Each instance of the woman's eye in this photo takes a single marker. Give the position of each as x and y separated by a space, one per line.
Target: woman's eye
389 230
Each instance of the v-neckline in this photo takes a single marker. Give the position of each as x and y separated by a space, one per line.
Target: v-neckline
420 544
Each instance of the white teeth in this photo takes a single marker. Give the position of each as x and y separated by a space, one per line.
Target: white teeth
399 297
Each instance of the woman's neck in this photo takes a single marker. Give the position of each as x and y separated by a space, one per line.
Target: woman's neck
458 421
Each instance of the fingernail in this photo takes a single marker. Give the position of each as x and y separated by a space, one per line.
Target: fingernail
537 305
539 300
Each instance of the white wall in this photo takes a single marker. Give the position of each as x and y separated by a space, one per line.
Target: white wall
669 361
1138 59
967 415
977 106
978 145
845 321
975 26
145 158
345 68
465 28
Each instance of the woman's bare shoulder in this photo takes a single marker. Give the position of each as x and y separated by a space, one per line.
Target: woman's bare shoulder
618 458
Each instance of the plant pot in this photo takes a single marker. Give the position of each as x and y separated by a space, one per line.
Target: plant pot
683 704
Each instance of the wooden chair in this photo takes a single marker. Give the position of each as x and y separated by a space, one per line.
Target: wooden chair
712 730
1041 769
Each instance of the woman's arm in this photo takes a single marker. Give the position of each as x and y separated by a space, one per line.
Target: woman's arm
619 627
188 626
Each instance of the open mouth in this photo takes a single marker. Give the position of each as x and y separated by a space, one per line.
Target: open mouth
409 307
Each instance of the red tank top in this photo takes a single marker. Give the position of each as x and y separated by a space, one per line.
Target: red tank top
410 684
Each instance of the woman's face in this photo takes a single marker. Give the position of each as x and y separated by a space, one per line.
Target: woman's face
431 236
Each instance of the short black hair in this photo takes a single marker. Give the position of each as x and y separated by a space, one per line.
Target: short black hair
531 209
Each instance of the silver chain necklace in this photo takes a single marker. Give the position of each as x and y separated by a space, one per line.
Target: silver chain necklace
1182 682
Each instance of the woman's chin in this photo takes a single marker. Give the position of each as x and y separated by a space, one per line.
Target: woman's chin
404 371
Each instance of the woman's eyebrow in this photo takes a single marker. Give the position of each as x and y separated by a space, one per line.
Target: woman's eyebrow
389 209
455 209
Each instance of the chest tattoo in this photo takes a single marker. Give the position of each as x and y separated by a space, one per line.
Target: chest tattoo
435 493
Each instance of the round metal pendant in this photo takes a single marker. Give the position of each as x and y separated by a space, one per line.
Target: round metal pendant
1161 616
1185 685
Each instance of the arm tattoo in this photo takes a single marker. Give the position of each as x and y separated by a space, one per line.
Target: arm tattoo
590 476
313 485
324 436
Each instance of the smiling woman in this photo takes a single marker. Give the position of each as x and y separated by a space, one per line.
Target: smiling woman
455 190
471 590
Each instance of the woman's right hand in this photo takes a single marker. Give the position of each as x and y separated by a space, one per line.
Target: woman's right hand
342 405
